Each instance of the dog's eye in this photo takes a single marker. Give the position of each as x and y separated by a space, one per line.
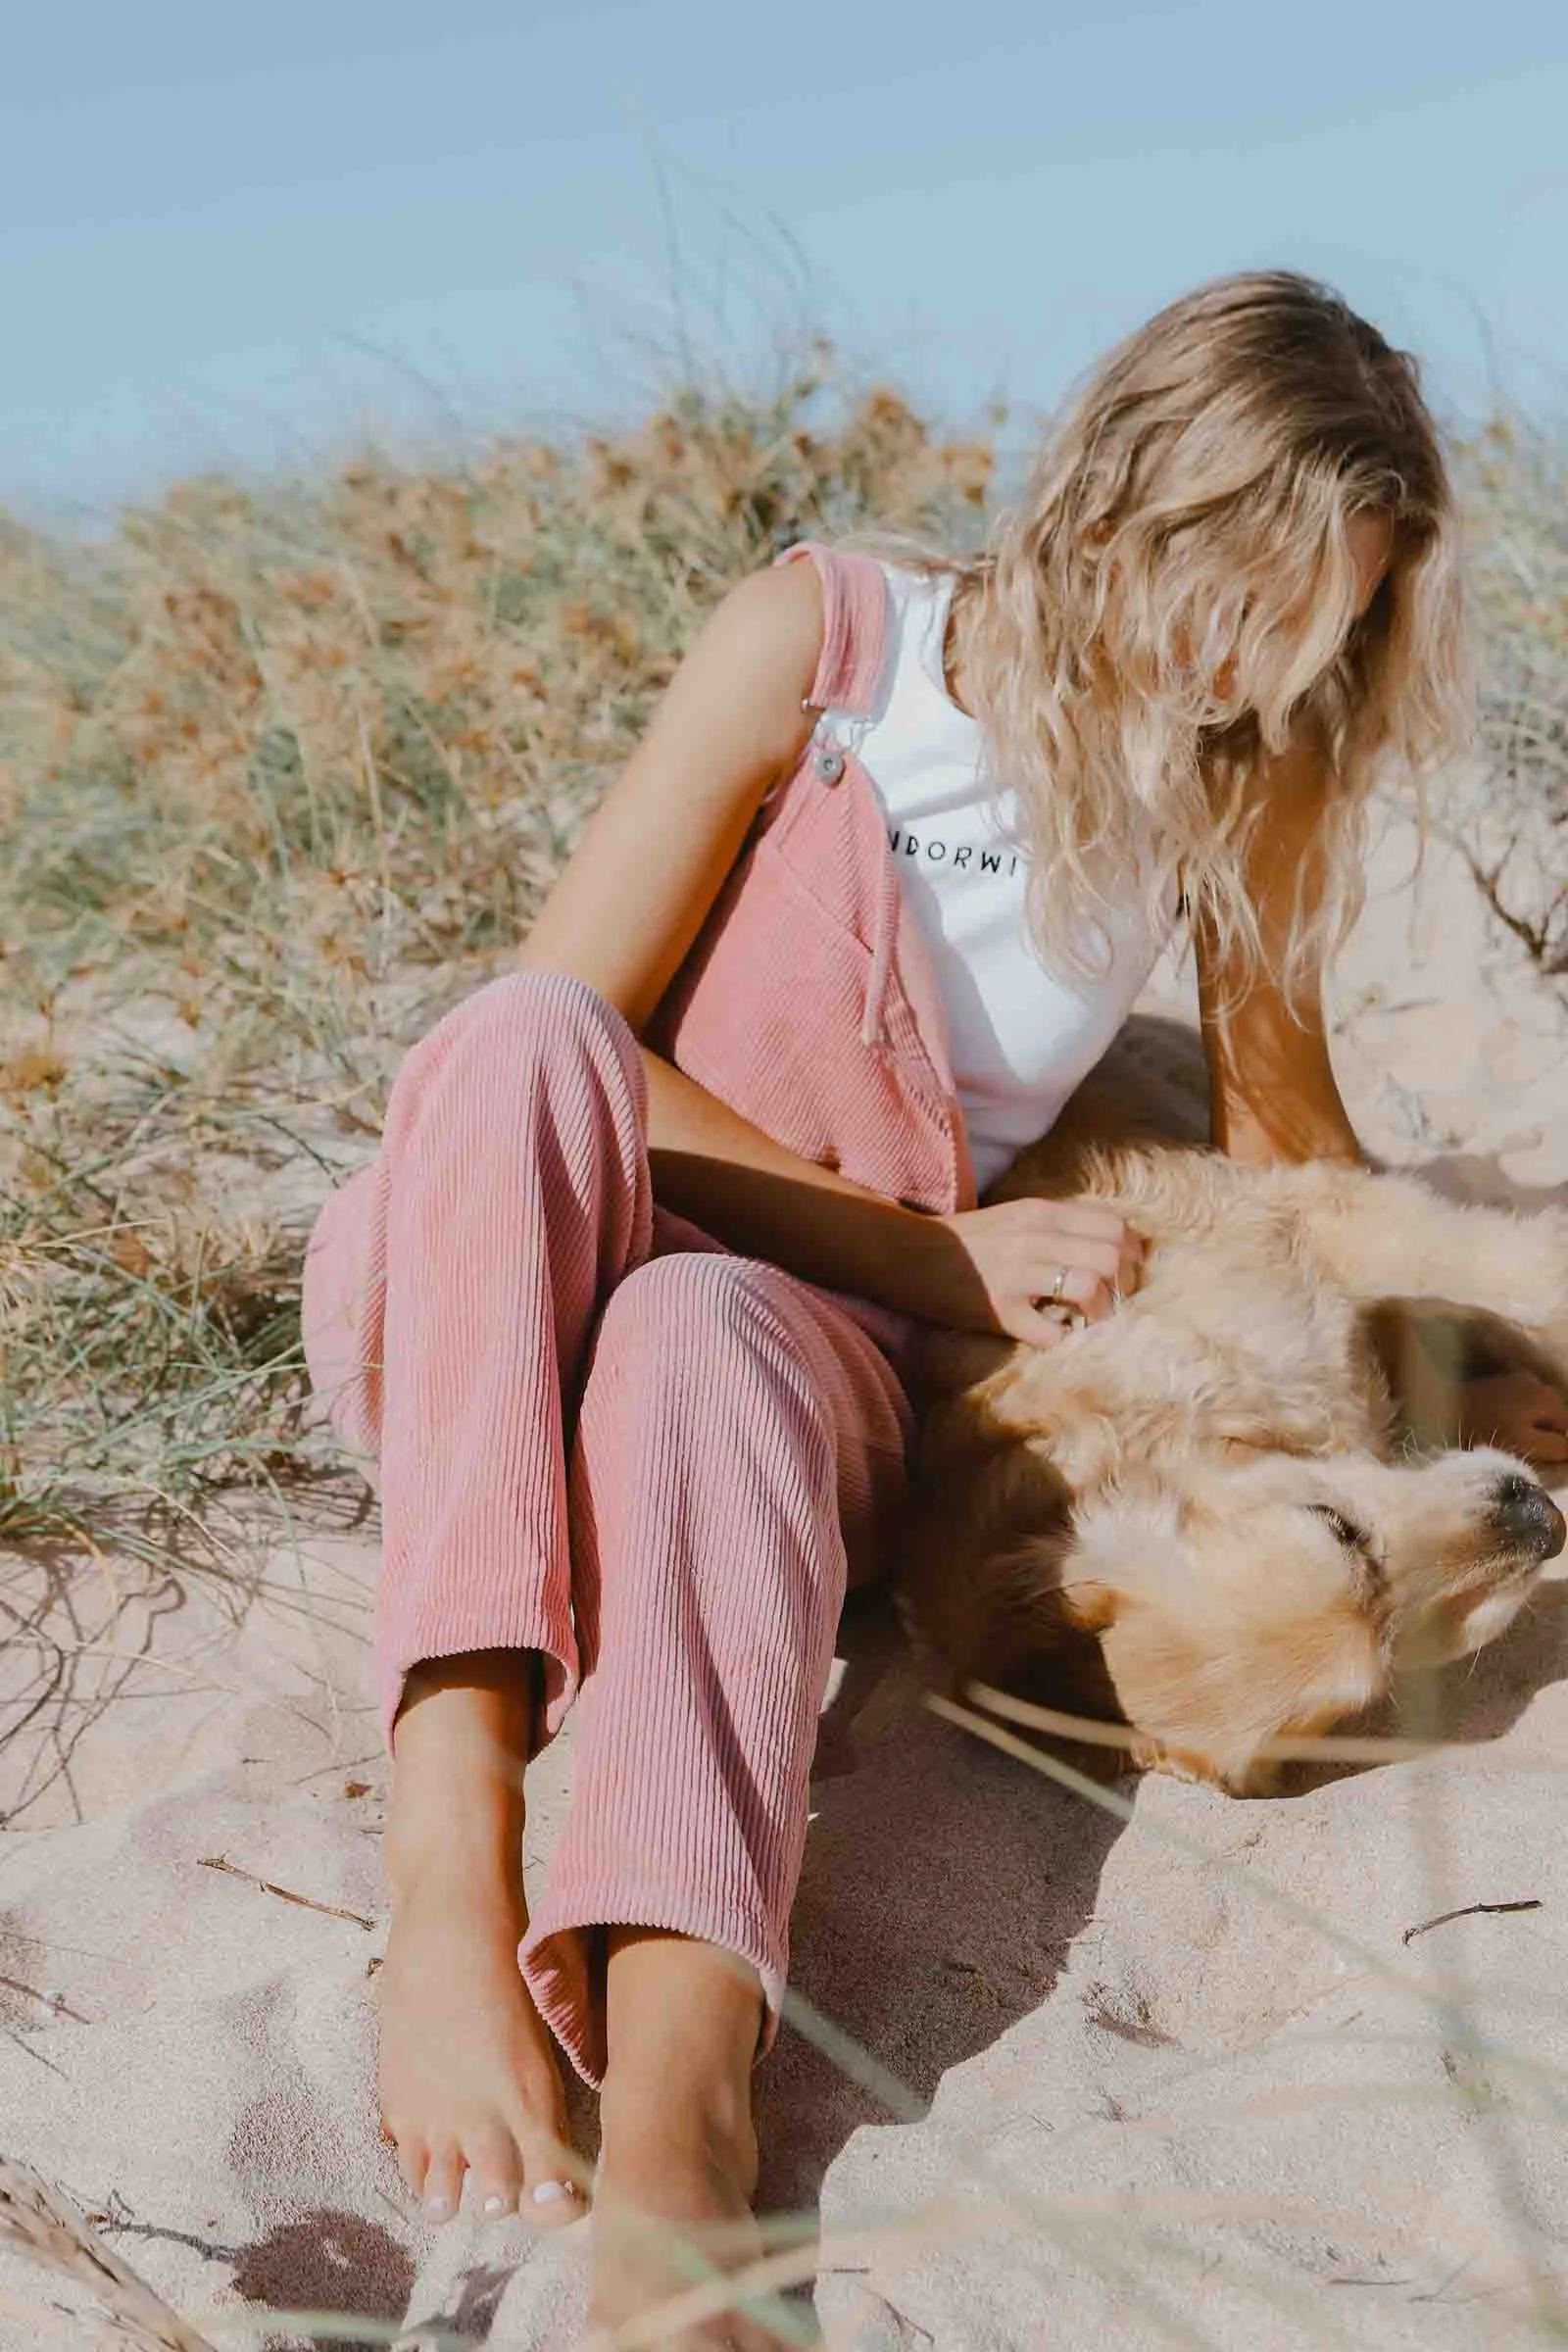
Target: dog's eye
1346 1531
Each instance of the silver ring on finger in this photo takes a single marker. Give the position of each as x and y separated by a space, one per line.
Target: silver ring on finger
1053 1297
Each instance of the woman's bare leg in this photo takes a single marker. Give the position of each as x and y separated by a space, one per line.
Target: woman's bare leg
469 2080
678 2163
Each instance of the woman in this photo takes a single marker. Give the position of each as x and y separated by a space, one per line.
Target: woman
622 1302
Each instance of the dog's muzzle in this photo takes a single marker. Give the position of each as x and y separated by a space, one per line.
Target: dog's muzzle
1527 1515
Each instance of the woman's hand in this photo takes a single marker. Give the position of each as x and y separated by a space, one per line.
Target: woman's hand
1518 1411
1045 1265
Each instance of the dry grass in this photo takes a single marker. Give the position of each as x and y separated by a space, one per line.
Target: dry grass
280 776
37 2222
1509 814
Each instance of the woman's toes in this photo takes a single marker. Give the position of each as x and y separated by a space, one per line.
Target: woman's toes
548 2191
551 2199
551 2196
414 2159
495 2174
443 2183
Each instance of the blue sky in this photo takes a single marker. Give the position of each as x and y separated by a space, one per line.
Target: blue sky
248 238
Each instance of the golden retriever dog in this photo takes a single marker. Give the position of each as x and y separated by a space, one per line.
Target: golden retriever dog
1199 1517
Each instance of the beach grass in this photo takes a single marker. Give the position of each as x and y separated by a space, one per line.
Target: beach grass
284 772
1508 811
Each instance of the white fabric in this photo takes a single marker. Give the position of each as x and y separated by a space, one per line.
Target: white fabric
1021 1036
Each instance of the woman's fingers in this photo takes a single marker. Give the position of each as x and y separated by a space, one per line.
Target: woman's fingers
1084 1233
1096 1295
1037 1328
1075 1295
1089 1221
1048 1266
1087 1275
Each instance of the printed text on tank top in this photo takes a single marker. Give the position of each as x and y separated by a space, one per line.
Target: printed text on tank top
1022 1036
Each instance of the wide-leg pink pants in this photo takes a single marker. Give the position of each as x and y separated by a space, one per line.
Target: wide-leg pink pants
601 1435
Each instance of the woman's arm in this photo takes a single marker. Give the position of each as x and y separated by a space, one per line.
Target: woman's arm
657 849
1273 1097
634 895
624 912
1272 1091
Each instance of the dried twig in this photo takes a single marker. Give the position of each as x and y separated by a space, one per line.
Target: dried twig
268 1887
54 2002
1467 1911
36 2221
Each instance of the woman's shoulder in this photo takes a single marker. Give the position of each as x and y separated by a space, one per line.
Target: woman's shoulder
865 602
784 608
878 609
902 576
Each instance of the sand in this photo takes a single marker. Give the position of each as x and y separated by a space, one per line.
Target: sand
1165 2068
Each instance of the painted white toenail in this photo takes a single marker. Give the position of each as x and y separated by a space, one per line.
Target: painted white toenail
493 2204
438 2205
550 2193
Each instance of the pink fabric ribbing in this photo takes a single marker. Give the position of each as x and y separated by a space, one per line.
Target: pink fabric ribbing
601 1435
808 1001
855 600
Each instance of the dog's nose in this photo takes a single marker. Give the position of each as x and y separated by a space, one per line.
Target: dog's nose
1526 1514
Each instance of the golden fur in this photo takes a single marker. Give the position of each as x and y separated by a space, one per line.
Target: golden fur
1195 1516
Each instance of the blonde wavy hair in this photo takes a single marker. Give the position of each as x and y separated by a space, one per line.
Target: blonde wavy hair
1184 527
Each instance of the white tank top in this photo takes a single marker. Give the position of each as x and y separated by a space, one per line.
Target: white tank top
1021 1036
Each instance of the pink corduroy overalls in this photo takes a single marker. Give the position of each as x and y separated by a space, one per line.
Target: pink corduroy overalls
600 1434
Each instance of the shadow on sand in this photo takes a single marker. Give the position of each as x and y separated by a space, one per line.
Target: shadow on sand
944 1885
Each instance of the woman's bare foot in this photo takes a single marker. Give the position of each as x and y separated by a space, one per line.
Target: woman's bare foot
469 2081
677 2170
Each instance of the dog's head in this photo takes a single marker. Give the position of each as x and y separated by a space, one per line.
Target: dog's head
1235 1603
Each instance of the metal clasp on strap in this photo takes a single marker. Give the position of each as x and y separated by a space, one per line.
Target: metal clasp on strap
830 754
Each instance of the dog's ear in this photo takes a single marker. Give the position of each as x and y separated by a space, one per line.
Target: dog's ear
1209 1689
1088 1604
1118 1542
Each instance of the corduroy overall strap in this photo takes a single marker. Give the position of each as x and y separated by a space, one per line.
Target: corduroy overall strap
854 628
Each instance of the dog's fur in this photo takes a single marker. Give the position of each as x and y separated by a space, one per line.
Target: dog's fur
1197 1516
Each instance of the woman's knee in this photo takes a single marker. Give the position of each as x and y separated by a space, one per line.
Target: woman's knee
515 1026
717 1315
699 1375
527 1014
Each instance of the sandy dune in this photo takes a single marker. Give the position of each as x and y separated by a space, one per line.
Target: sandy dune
1165 2073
